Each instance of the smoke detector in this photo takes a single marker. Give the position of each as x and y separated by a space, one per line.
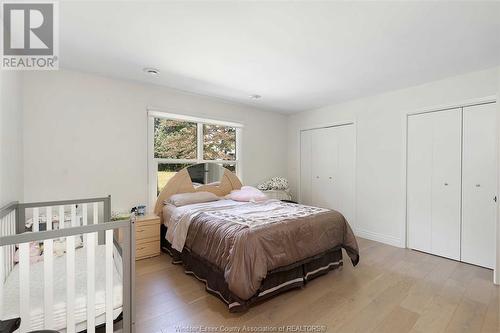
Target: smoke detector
151 71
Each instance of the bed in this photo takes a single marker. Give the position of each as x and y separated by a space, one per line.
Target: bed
249 251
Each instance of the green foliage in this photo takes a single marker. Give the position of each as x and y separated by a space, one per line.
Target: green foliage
174 139
219 142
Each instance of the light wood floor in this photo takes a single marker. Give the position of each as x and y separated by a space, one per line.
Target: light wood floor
391 290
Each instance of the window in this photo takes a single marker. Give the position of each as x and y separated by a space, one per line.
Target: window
176 142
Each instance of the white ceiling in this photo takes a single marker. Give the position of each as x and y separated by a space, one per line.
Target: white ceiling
297 55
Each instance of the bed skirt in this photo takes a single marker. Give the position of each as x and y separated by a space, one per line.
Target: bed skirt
277 280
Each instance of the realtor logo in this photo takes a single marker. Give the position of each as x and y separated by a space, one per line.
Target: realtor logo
30 36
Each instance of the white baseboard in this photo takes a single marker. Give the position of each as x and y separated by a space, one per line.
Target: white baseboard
375 236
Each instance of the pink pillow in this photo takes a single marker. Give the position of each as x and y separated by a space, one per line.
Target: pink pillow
247 193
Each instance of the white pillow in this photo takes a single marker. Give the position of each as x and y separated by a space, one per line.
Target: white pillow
183 199
247 194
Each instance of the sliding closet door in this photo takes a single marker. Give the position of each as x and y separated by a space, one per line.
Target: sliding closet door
305 167
324 166
446 183
434 182
328 168
479 185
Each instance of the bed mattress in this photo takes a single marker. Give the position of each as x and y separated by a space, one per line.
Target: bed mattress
11 292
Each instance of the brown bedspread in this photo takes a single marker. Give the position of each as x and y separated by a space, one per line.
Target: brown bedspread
245 254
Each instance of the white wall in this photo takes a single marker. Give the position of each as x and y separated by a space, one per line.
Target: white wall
86 135
380 179
11 178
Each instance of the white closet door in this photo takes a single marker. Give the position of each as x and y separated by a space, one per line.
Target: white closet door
446 183
434 178
305 167
419 182
328 169
332 196
479 185
324 157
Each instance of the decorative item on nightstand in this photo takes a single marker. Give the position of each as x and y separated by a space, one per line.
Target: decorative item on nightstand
147 236
139 210
276 188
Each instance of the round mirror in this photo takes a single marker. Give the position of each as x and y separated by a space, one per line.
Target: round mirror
205 174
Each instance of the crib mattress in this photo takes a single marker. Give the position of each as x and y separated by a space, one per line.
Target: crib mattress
11 291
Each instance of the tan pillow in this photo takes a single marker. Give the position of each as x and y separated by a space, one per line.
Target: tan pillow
183 199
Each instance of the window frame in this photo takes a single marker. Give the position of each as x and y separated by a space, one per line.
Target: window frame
153 162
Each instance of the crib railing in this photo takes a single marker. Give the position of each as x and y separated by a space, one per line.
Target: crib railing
8 219
13 218
99 209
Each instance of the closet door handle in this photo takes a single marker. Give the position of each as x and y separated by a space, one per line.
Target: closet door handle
445 184
495 198
317 177
329 177
478 185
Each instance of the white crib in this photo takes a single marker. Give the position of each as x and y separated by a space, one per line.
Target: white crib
86 283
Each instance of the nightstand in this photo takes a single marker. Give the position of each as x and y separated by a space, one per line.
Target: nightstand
147 236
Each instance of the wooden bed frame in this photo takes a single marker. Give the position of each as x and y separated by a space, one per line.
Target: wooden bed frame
181 183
